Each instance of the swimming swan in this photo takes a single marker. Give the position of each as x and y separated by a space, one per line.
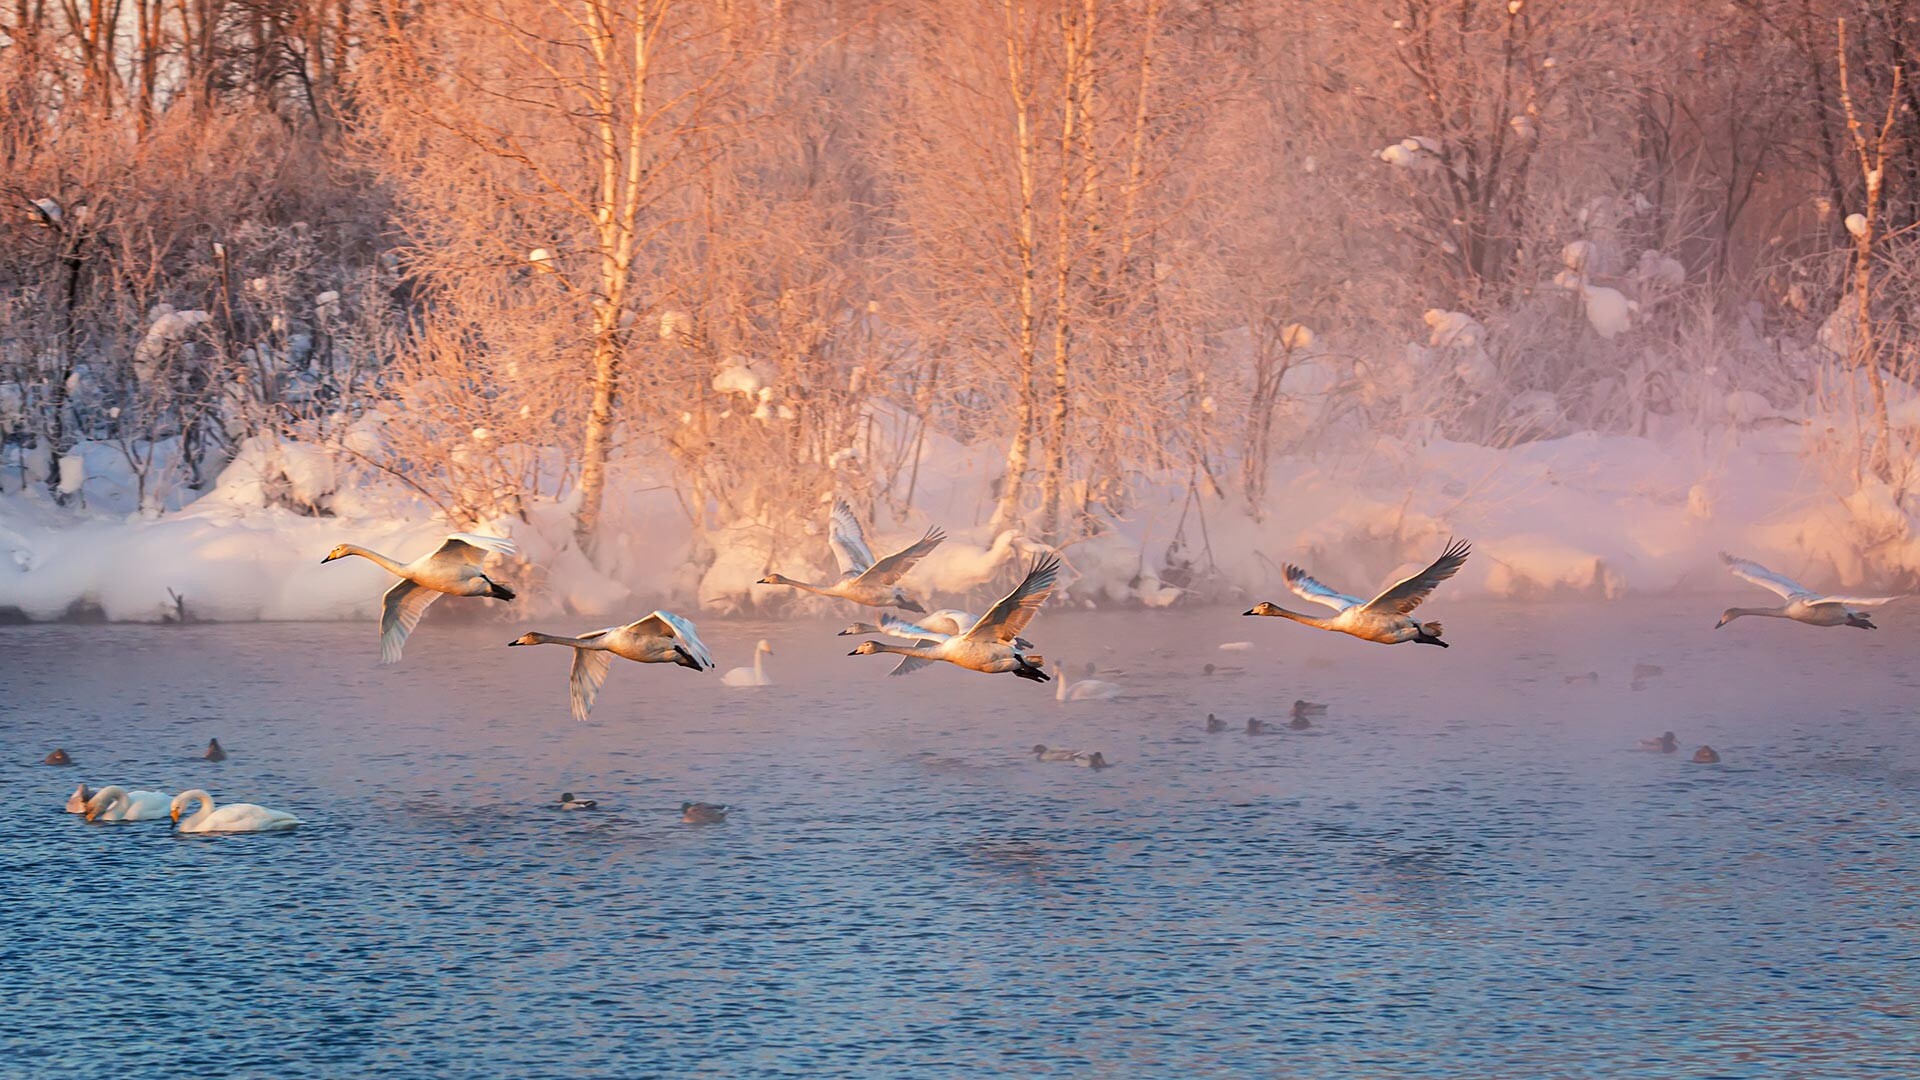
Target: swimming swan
751 676
234 817
988 645
699 813
1802 604
660 638
1387 618
864 580
1084 690
453 569
115 803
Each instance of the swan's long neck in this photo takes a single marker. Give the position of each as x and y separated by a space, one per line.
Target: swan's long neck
205 802
374 556
759 672
1060 679
909 650
555 639
1310 620
106 799
1735 612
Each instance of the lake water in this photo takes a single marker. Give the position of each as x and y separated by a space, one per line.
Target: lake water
1464 869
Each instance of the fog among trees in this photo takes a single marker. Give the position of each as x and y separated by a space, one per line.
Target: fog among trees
499 253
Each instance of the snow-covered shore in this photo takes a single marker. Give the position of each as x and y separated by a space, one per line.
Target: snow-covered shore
1586 514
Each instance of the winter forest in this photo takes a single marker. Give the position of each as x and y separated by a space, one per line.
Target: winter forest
1181 289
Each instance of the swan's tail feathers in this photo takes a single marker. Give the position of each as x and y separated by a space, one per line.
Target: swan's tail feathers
498 591
1030 669
908 603
685 659
1429 634
1860 619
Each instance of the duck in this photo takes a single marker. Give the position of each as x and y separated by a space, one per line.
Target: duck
1802 604
1665 744
568 802
234 817
751 676
1258 727
214 753
115 803
1215 725
1706 756
1085 690
1589 677
77 802
1042 753
453 569
1226 671
1095 760
863 579
1386 619
699 813
946 622
1304 708
988 645
1298 722
58 757
660 638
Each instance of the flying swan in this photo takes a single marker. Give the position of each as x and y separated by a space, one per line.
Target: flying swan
1802 604
862 579
989 644
660 638
453 569
1387 618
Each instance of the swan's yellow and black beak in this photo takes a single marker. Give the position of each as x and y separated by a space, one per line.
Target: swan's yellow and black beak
331 555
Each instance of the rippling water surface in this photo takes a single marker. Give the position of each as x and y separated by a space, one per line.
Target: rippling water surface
1464 869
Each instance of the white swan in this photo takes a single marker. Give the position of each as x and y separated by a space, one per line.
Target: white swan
751 676
1084 690
989 645
864 580
453 568
939 624
115 803
1387 618
234 817
1802 604
660 638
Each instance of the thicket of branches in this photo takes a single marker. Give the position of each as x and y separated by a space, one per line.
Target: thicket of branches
503 251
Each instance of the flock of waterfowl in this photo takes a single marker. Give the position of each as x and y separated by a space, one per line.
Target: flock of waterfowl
992 643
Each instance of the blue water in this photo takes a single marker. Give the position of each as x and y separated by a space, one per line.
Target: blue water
1464 869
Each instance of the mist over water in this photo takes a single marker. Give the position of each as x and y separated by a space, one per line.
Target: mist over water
1463 869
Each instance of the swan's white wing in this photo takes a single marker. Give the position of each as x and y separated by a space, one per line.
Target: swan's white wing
1403 596
404 605
1862 601
473 547
915 663
948 621
849 543
901 628
895 566
1748 570
1307 587
589 671
667 624
1005 620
